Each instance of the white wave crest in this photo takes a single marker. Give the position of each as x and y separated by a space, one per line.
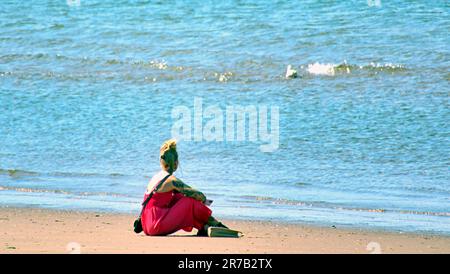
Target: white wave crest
321 69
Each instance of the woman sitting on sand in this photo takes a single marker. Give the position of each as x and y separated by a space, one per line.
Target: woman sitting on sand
174 205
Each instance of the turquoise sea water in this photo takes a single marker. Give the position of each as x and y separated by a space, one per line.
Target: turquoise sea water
86 94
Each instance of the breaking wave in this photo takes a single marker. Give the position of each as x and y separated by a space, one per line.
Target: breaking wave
330 69
317 204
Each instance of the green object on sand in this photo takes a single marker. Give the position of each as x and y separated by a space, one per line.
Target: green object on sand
214 231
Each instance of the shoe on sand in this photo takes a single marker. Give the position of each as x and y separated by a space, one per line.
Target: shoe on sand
203 232
214 231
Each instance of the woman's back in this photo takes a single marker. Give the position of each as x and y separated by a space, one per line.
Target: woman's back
155 180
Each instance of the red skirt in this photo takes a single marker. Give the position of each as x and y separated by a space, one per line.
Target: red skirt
168 212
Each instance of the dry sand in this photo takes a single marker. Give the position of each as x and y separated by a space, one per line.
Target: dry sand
50 231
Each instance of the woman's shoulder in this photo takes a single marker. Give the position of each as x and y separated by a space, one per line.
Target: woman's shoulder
157 178
154 180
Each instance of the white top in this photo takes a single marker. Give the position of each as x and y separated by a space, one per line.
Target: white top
156 179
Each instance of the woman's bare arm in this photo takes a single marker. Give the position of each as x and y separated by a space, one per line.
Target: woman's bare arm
188 191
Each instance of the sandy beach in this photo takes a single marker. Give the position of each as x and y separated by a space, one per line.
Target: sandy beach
25 230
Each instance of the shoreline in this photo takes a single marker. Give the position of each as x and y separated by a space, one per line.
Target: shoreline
367 229
38 230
